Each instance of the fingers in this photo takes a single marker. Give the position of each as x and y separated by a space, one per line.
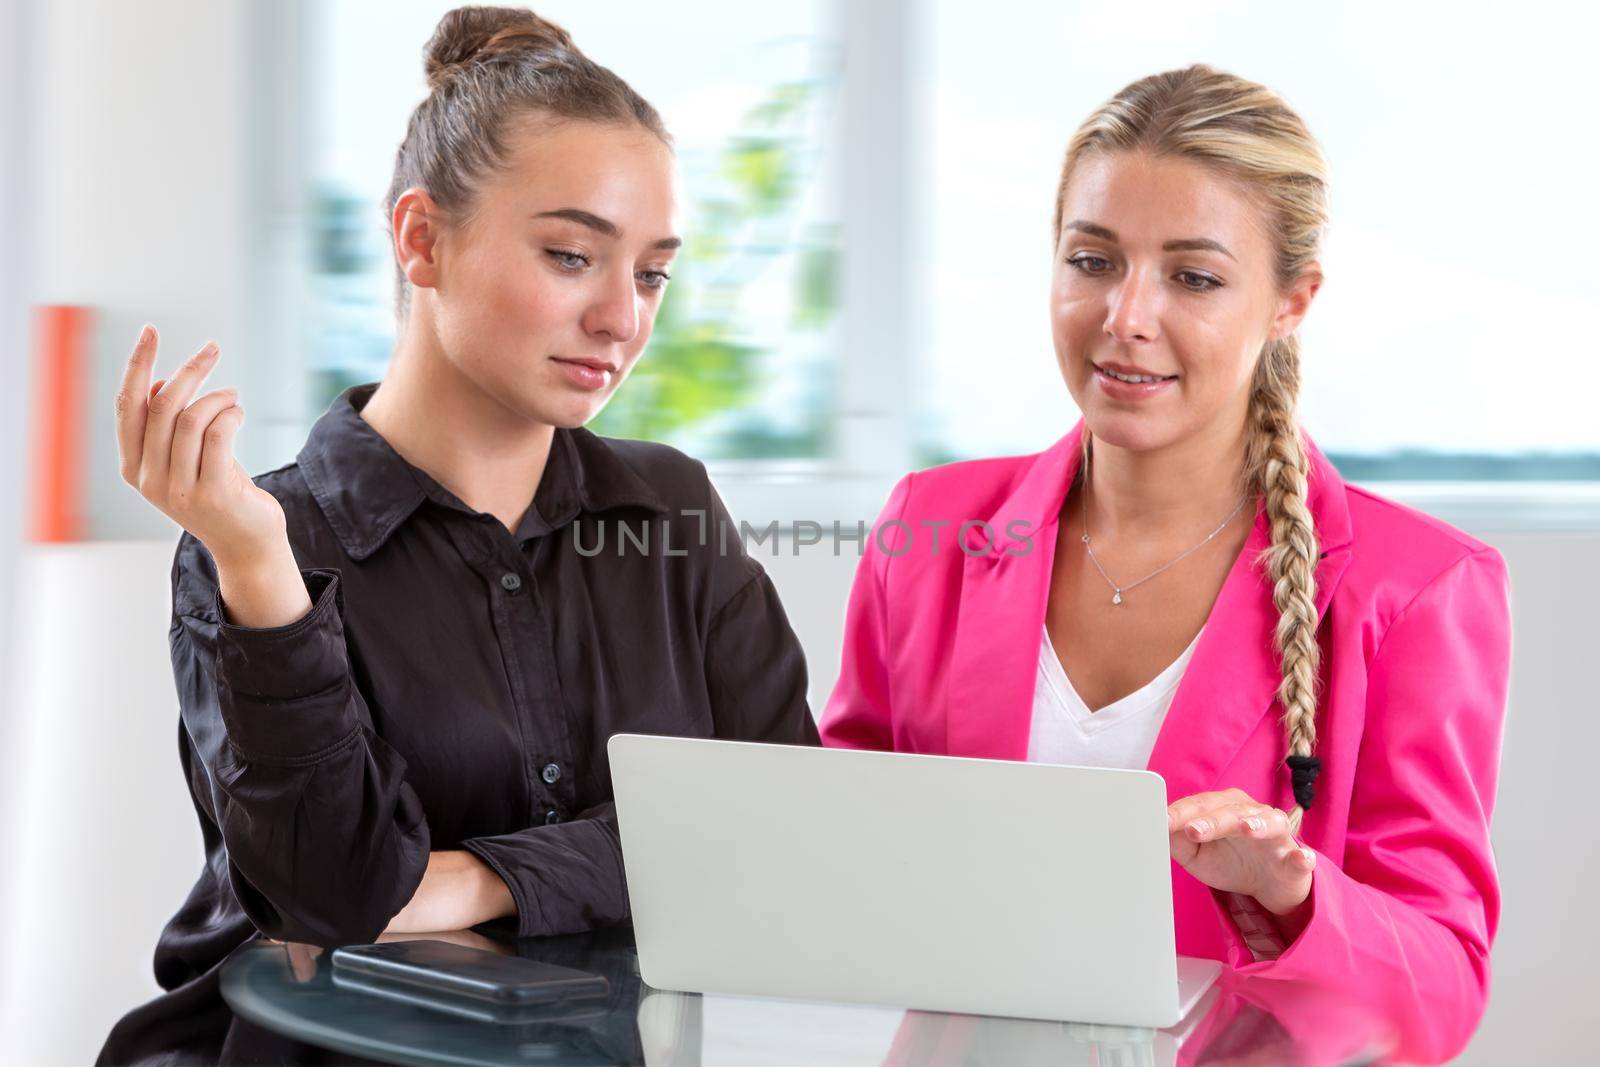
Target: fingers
1181 812
191 432
1247 820
302 960
216 450
132 400
1254 851
1259 822
160 423
1237 820
1227 813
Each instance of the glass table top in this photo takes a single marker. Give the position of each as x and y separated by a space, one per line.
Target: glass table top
294 990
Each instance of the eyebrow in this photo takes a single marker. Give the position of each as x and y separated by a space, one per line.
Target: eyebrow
1190 244
600 225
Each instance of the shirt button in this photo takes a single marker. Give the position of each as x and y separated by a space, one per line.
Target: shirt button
510 582
552 773
552 817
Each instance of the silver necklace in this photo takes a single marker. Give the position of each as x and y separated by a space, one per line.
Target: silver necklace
1118 590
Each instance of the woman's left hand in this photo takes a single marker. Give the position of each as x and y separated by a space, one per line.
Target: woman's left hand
458 890
1231 843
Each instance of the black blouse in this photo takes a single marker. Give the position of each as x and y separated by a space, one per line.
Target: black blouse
453 687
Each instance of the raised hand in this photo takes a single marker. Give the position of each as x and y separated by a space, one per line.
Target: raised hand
179 456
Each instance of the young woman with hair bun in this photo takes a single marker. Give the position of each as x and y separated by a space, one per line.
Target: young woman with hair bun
1184 583
397 673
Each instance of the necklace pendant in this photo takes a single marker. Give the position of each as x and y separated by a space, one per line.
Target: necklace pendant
1116 597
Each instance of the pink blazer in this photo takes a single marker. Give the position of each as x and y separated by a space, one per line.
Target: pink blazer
941 647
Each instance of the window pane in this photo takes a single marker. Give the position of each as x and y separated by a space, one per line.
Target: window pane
1451 337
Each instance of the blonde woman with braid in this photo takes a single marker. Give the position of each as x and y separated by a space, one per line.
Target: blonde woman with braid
1184 583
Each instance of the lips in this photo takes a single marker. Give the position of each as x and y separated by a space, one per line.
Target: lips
1147 387
590 375
592 364
1125 371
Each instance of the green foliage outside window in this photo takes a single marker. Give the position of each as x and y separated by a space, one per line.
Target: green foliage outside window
698 364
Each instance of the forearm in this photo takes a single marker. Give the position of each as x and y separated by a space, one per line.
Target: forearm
458 891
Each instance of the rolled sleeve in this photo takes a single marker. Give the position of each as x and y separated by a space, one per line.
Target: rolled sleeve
564 878
323 839
284 690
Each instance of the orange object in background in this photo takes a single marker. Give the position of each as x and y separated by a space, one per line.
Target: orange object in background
57 472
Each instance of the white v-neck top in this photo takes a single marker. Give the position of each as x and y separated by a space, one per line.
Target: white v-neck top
1121 734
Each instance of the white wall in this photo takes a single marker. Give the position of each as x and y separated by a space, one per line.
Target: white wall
1542 1001
15 369
165 190
104 844
101 839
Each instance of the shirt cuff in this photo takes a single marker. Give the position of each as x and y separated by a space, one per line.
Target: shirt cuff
566 878
284 690
1321 922
1253 923
518 924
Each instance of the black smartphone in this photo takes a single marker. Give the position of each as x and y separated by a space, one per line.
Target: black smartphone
445 967
584 1011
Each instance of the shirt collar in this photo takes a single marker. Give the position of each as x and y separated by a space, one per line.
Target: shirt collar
366 489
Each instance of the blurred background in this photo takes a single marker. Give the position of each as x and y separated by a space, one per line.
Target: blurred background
863 292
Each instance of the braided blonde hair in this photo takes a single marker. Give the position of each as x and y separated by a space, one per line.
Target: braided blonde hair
1246 134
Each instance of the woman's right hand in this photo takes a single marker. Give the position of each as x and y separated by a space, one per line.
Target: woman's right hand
179 455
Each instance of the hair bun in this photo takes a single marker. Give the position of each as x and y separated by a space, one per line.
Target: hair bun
469 35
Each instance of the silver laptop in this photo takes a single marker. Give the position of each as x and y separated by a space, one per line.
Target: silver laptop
989 887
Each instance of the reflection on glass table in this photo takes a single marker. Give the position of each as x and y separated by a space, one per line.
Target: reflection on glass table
292 990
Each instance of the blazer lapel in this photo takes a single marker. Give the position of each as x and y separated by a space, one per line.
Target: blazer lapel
1230 684
1232 680
1002 606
